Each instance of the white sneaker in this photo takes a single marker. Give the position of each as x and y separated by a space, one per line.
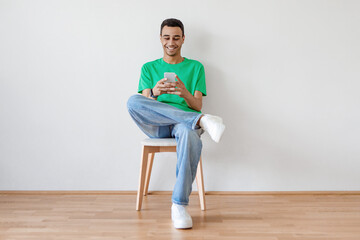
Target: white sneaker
180 217
213 125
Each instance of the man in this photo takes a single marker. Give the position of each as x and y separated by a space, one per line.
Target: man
174 110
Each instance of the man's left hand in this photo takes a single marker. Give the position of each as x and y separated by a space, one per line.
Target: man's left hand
178 88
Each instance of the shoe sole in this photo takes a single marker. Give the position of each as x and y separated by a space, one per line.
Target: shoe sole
182 226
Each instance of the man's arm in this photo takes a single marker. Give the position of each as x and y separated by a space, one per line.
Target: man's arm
177 88
146 93
194 102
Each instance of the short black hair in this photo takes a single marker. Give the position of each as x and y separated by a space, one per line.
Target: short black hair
172 22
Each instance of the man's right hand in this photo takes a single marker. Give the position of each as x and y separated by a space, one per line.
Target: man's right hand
162 87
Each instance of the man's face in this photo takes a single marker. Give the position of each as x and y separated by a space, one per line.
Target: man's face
172 39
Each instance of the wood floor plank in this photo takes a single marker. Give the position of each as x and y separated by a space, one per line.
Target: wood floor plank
111 216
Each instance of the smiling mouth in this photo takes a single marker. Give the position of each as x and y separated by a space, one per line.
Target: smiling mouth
171 49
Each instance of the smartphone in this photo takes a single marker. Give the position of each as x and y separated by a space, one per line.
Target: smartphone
170 77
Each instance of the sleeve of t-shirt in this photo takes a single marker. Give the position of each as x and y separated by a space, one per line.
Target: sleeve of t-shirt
145 80
201 84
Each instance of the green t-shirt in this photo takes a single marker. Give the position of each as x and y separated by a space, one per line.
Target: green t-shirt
190 72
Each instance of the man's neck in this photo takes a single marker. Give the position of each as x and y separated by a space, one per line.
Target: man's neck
173 59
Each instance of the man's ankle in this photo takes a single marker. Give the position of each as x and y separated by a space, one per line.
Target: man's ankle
198 122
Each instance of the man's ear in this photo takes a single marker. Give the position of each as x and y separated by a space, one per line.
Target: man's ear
183 38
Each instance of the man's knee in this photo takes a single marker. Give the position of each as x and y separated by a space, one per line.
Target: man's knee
133 101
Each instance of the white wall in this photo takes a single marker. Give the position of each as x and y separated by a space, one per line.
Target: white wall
284 75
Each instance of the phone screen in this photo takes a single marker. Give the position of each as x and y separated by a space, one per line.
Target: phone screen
170 76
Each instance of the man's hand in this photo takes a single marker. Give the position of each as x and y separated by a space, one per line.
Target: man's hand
178 88
162 87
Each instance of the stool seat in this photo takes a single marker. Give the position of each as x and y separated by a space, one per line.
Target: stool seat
160 142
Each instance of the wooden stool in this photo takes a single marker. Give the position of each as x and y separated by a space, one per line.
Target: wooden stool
152 146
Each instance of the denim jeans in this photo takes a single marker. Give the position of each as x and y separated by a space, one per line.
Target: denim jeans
160 120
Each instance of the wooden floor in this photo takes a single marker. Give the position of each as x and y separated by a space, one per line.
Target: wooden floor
253 217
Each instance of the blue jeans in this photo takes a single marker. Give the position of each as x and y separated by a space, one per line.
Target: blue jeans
160 120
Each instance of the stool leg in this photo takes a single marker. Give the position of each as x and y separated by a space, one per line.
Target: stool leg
148 172
143 164
200 185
